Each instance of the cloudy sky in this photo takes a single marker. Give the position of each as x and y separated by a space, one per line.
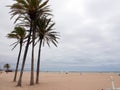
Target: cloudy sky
90 36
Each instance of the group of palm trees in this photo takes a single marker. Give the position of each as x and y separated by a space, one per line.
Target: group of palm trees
33 25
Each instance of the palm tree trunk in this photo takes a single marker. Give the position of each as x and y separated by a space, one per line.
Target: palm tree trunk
32 68
24 57
18 62
38 62
32 60
7 68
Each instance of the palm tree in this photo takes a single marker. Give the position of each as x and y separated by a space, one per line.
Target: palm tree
7 66
45 34
29 10
18 33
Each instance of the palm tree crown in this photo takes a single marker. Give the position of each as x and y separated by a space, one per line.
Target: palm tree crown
29 9
45 31
18 33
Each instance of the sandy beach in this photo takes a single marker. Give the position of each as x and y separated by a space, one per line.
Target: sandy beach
62 81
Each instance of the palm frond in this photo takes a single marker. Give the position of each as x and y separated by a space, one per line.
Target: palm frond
49 28
13 43
43 4
14 46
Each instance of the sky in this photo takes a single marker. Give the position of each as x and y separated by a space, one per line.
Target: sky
90 36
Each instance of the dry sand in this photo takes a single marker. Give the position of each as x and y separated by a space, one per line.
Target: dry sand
62 81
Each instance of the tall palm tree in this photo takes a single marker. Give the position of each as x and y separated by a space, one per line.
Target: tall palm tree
18 33
29 10
45 34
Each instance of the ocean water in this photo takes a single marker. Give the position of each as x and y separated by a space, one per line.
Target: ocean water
98 69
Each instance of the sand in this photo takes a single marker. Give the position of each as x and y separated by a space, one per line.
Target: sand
62 81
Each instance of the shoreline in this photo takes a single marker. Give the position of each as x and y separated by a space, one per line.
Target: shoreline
71 71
